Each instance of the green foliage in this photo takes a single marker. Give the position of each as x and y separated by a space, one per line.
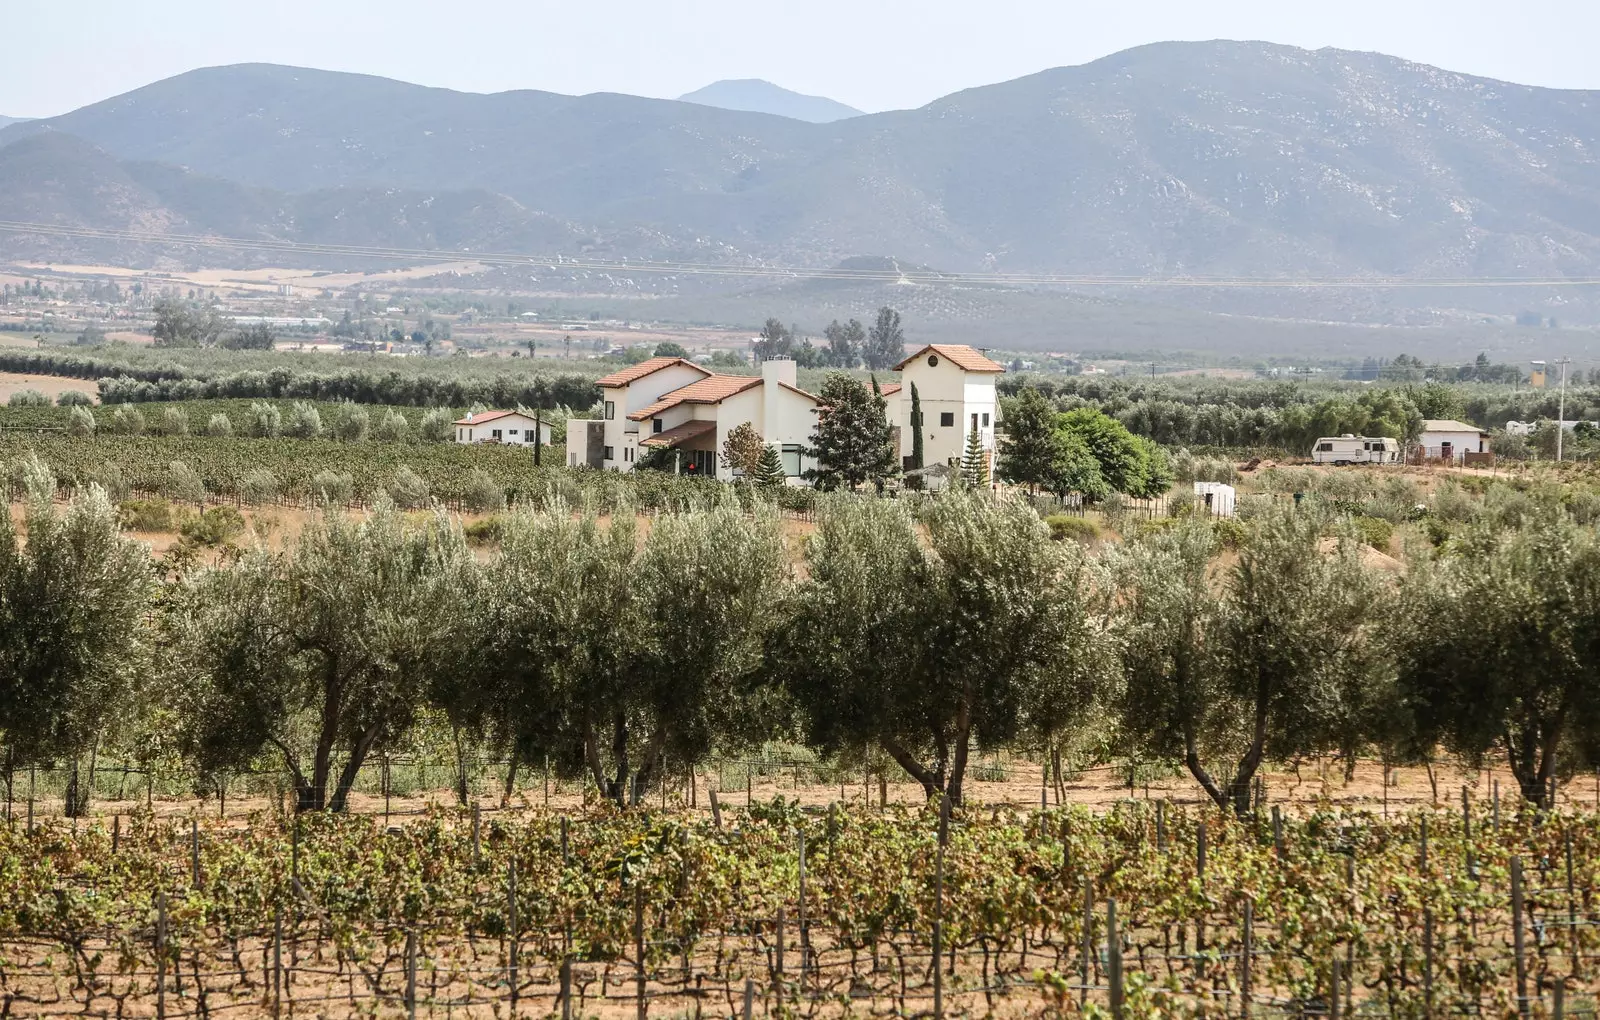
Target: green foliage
76 593
853 441
212 527
1065 526
486 532
304 422
81 422
482 493
670 349
183 484
332 488
408 489
886 341
259 486
434 427
742 449
1374 531
354 426
392 428
174 422
74 398
264 421
127 421
769 472
975 462
145 515
28 398
220 426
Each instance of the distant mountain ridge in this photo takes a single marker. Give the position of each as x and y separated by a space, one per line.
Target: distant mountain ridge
754 95
1176 160
8 121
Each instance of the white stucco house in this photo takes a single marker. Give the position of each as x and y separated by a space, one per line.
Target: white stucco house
956 390
676 405
510 427
1449 440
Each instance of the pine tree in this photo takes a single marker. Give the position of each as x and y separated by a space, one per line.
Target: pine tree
769 471
974 463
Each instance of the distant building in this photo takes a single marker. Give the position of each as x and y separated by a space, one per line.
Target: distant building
956 390
1449 440
1216 498
507 427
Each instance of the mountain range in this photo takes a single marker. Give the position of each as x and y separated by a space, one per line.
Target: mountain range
1175 161
756 96
8 121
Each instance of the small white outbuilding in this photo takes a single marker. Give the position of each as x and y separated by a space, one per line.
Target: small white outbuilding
1216 498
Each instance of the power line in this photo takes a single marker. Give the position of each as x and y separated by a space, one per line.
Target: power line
559 262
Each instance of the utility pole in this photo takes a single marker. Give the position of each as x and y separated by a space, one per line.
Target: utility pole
1561 412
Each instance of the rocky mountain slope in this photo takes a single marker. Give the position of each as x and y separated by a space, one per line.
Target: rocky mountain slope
756 96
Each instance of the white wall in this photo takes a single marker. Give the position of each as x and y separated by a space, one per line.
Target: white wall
1460 442
522 425
946 388
622 434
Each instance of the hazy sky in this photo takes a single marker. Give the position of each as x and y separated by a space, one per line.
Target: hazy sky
873 54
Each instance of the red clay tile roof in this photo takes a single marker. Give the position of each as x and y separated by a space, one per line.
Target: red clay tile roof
960 355
795 389
711 390
486 416
644 368
679 433
890 390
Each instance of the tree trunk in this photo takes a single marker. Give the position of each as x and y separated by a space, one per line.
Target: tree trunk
1191 758
461 767
352 767
511 777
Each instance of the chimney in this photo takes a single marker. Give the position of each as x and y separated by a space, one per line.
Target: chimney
779 370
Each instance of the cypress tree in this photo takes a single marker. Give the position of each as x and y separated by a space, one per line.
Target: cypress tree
916 429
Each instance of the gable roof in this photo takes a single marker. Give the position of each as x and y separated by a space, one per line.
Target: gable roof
644 368
487 416
679 433
710 390
1450 425
889 390
968 359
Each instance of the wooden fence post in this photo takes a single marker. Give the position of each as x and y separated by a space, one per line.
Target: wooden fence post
1086 965
1114 959
1517 940
161 955
1277 831
194 852
749 998
716 808
638 948
1244 958
475 824
512 932
1427 961
411 974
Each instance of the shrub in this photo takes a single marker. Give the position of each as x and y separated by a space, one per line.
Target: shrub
28 398
110 478
484 532
128 421
353 427
184 484
145 515
435 426
392 428
80 421
174 422
212 527
1230 533
1375 531
263 421
1065 526
74 398
259 486
220 425
408 489
332 487
304 422
482 492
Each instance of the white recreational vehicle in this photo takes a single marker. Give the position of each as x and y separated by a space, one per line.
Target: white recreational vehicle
1348 449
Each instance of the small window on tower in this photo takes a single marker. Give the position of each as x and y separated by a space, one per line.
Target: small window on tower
947 419
933 361
986 419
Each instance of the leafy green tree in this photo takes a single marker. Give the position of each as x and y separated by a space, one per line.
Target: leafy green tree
73 598
1282 662
1031 442
845 343
320 654
886 341
671 349
178 325
80 422
769 472
979 639
304 421
219 425
354 426
1154 471
853 440
625 663
974 462
258 337
775 341
1501 650
264 421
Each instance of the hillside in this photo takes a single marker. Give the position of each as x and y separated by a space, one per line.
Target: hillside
756 96
1174 160
8 121
60 180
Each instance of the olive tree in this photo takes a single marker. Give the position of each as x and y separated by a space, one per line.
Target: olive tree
620 659
1274 658
326 647
1501 650
72 605
980 635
